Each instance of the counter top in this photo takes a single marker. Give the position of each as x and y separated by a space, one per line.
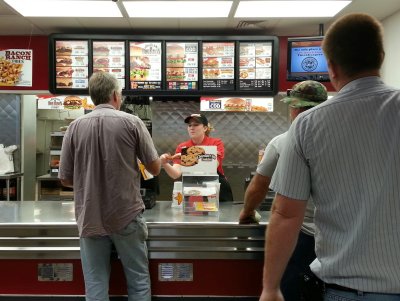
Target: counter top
62 213
47 229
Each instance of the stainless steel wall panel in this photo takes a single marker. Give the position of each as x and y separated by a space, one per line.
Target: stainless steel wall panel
10 120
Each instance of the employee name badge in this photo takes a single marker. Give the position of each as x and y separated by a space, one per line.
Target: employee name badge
199 160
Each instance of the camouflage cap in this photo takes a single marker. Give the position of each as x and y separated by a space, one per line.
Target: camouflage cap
308 93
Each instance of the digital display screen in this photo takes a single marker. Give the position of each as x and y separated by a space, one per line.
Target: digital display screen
306 60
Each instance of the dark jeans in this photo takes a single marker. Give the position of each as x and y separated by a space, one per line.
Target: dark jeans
299 263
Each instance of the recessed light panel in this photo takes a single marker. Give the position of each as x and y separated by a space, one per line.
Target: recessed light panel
287 9
178 9
65 8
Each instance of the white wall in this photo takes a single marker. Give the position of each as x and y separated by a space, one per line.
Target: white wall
391 66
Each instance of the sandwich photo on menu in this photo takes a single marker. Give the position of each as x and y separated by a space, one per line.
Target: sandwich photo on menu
140 64
235 104
140 67
176 57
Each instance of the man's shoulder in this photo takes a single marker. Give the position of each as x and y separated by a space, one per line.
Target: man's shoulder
278 139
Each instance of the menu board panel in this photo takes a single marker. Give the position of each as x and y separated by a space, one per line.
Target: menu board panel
218 66
255 65
109 56
71 60
145 65
182 65
167 65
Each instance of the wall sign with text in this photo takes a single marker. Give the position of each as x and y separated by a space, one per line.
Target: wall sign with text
237 104
16 67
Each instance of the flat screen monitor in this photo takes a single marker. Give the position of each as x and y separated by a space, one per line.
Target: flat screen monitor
306 60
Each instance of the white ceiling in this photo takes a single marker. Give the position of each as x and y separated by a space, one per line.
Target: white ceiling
11 23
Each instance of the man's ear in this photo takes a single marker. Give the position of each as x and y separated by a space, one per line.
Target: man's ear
332 69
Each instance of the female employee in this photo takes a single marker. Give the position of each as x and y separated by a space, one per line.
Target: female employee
199 130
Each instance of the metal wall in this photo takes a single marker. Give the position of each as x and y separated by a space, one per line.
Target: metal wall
241 132
10 120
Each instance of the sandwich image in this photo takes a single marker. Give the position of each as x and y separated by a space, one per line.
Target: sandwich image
211 62
64 72
175 74
100 62
176 57
136 51
211 73
72 102
64 82
63 50
101 50
140 68
235 104
63 61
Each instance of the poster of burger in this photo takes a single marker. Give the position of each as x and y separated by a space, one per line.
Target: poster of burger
255 66
218 66
71 61
109 56
182 65
145 65
64 102
237 104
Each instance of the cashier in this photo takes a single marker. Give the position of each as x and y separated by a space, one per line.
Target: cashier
199 130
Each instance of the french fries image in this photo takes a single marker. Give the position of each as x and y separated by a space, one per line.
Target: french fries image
9 72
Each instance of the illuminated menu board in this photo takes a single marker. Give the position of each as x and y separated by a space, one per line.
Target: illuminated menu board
71 64
255 65
238 66
218 66
145 65
109 56
182 65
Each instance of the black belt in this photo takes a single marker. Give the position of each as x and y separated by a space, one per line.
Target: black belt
341 288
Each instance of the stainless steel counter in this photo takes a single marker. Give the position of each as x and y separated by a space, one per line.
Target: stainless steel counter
47 229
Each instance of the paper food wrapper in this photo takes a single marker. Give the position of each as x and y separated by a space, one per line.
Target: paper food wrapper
145 174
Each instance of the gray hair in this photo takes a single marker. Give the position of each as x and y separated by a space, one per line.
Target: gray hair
102 85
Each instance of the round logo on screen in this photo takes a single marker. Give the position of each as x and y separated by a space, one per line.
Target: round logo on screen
309 64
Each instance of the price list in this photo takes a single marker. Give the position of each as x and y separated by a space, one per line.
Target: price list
109 56
71 64
255 66
182 66
145 65
218 66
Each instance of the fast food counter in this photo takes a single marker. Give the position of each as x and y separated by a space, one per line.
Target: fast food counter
189 255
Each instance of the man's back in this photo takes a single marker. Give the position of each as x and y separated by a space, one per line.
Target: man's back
105 144
351 144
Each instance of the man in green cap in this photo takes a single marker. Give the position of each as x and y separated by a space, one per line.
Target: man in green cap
301 97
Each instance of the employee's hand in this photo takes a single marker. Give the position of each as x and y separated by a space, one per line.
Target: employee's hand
177 155
165 158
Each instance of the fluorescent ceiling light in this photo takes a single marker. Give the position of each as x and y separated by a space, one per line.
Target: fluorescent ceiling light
178 9
287 9
65 8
